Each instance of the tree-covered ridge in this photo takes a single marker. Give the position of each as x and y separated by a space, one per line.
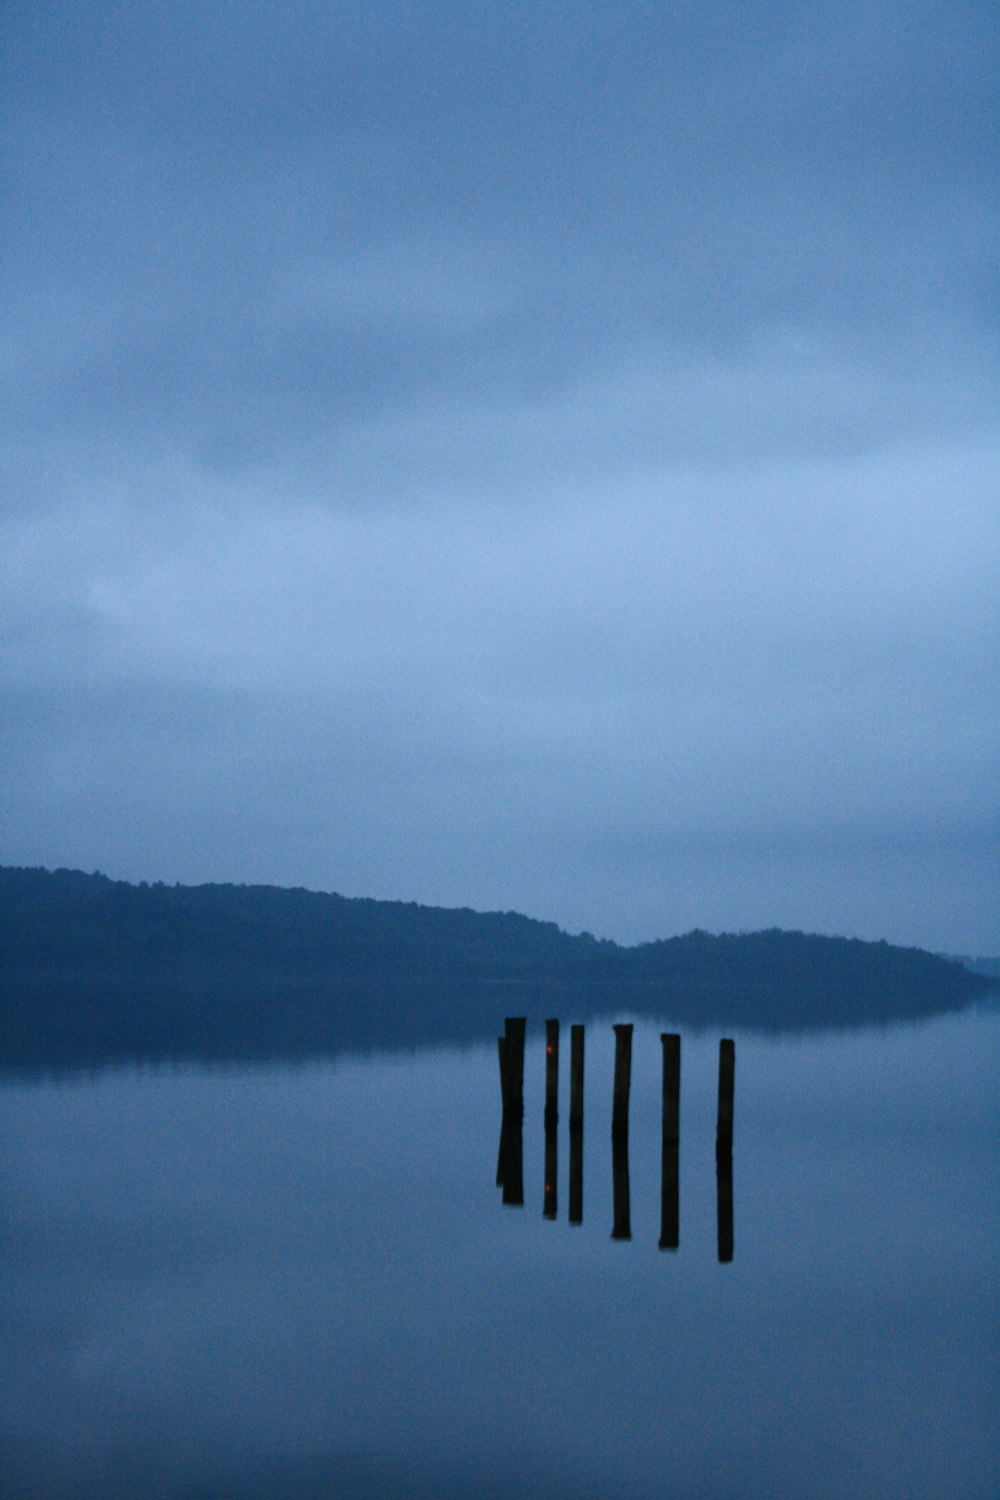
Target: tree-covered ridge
66 917
95 968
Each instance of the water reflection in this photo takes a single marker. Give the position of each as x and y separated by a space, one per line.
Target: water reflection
510 1167
576 1173
551 1204
724 1205
622 1227
223 1282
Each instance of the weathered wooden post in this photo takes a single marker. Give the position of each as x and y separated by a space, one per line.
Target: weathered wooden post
727 1076
623 1078
622 1229
551 1072
670 1161
576 1077
513 1052
576 1125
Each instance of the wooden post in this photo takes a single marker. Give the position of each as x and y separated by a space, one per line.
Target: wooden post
514 1027
551 1072
623 1078
670 1160
550 1207
576 1078
727 1076
622 1229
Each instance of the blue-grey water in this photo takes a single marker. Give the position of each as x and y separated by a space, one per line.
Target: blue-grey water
301 1280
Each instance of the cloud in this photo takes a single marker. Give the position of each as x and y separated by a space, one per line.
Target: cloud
536 457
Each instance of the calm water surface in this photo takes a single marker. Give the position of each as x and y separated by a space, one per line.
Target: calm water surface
302 1281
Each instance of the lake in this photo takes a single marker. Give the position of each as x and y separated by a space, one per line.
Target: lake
301 1280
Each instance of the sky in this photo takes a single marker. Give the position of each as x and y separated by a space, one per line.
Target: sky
536 457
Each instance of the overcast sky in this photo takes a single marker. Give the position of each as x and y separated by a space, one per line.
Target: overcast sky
526 456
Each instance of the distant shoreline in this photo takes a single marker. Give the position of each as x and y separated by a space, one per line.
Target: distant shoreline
95 970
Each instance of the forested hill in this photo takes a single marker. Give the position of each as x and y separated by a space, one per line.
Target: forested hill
263 968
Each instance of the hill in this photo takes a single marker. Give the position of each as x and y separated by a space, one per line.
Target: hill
94 968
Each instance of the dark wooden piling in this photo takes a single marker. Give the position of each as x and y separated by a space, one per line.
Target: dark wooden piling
514 1028
623 1078
551 1204
576 1077
622 1228
670 1159
724 1205
551 1072
727 1076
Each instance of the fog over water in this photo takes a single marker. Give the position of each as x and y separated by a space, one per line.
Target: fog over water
536 458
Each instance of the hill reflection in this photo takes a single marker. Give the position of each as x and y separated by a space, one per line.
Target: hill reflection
85 1021
96 971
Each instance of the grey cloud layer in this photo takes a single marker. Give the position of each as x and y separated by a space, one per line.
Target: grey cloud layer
532 456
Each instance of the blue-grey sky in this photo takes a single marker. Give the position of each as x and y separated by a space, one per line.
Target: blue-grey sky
523 456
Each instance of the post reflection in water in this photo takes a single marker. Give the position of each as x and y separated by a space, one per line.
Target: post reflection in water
576 1175
551 1205
724 1199
510 1168
622 1229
